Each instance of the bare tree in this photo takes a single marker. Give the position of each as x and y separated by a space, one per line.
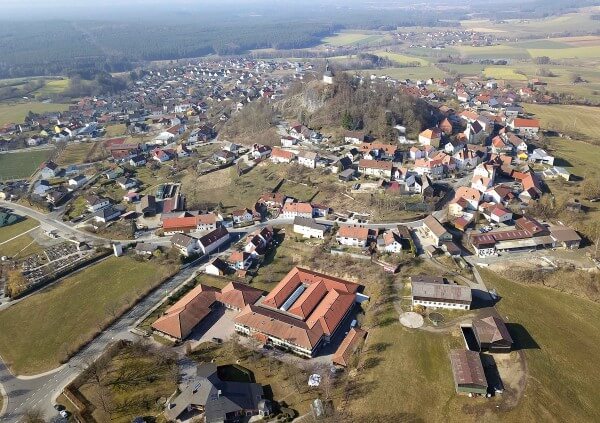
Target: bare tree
33 416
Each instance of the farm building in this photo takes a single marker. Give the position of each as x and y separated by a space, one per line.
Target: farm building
469 377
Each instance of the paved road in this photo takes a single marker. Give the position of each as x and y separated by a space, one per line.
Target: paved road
53 221
40 392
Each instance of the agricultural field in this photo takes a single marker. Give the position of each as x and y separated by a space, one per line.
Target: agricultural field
74 153
580 121
23 164
575 23
16 112
69 313
353 39
401 58
502 51
503 72
585 52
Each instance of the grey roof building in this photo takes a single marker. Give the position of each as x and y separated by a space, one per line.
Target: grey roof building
220 401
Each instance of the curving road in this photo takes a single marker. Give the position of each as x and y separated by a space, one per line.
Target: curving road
39 392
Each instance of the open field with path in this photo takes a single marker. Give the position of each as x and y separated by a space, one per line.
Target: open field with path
8 232
39 332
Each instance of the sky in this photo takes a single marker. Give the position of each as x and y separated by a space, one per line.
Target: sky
125 9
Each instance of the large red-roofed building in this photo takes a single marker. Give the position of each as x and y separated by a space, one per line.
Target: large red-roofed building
301 313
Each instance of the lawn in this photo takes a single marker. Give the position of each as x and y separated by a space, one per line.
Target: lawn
580 121
71 312
8 232
21 165
401 58
75 153
16 112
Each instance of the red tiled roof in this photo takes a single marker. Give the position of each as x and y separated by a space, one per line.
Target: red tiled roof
348 346
181 318
354 232
318 311
239 295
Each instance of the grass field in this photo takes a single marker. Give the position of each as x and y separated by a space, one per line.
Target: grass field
352 38
564 364
75 153
582 121
115 130
577 157
224 186
54 86
70 312
21 165
20 247
18 228
503 72
16 112
401 58
563 327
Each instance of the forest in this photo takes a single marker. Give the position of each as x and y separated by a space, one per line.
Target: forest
118 39
58 47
